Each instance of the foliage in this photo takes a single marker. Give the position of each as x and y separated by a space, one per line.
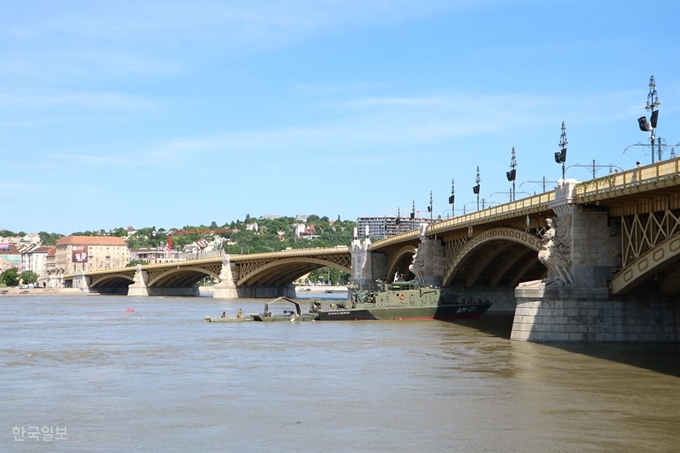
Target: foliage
9 234
10 277
28 277
49 238
272 235
323 274
119 232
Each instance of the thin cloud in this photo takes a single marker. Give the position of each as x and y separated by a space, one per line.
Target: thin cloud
98 100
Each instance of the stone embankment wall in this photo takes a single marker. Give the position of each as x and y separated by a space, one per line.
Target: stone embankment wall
574 318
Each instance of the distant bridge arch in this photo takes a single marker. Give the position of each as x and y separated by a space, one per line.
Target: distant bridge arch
287 270
184 277
111 280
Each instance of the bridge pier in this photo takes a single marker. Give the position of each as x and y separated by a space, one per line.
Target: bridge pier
226 288
139 287
574 304
569 314
81 282
430 263
362 262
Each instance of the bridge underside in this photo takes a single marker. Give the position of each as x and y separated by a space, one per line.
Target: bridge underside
115 284
497 263
285 271
657 271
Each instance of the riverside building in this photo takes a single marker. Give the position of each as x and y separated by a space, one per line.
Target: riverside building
90 253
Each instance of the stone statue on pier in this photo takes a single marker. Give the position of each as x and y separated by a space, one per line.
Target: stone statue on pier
555 253
417 267
225 272
139 278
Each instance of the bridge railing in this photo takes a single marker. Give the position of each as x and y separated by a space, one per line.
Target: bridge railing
504 210
525 205
636 176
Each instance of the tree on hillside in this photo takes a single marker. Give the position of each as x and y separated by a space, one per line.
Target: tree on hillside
11 234
48 239
119 232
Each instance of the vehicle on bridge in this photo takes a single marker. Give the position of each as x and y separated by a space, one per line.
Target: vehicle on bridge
403 301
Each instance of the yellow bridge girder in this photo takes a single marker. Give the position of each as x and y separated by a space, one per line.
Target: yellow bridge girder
659 257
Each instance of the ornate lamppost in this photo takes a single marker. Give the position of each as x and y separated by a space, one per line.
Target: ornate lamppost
561 155
452 198
512 174
650 126
475 189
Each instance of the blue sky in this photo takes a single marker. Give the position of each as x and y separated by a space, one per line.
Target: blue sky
174 113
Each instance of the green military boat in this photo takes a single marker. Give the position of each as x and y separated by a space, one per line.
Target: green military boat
283 309
225 319
403 301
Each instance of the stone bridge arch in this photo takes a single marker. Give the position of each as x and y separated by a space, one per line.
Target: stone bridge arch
182 277
397 258
111 280
286 270
525 257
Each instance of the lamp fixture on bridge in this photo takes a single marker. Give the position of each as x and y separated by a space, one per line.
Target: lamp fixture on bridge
512 174
650 126
452 198
561 155
476 188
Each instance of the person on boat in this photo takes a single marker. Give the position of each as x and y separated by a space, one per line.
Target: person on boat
239 314
224 314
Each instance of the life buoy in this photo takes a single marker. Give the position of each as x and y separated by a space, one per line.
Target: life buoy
401 296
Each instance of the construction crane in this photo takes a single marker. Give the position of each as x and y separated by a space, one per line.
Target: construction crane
197 231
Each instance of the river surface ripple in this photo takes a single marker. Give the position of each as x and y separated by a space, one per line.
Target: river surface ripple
162 379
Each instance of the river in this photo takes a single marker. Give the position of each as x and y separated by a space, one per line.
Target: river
81 374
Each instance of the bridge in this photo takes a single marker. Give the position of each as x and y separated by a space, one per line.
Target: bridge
610 261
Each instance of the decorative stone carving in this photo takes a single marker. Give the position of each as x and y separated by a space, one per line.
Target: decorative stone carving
417 267
141 278
555 253
225 272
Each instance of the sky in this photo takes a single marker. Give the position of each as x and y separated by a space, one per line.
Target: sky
172 113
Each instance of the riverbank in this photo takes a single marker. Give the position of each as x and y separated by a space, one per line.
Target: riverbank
41 292
203 290
299 290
